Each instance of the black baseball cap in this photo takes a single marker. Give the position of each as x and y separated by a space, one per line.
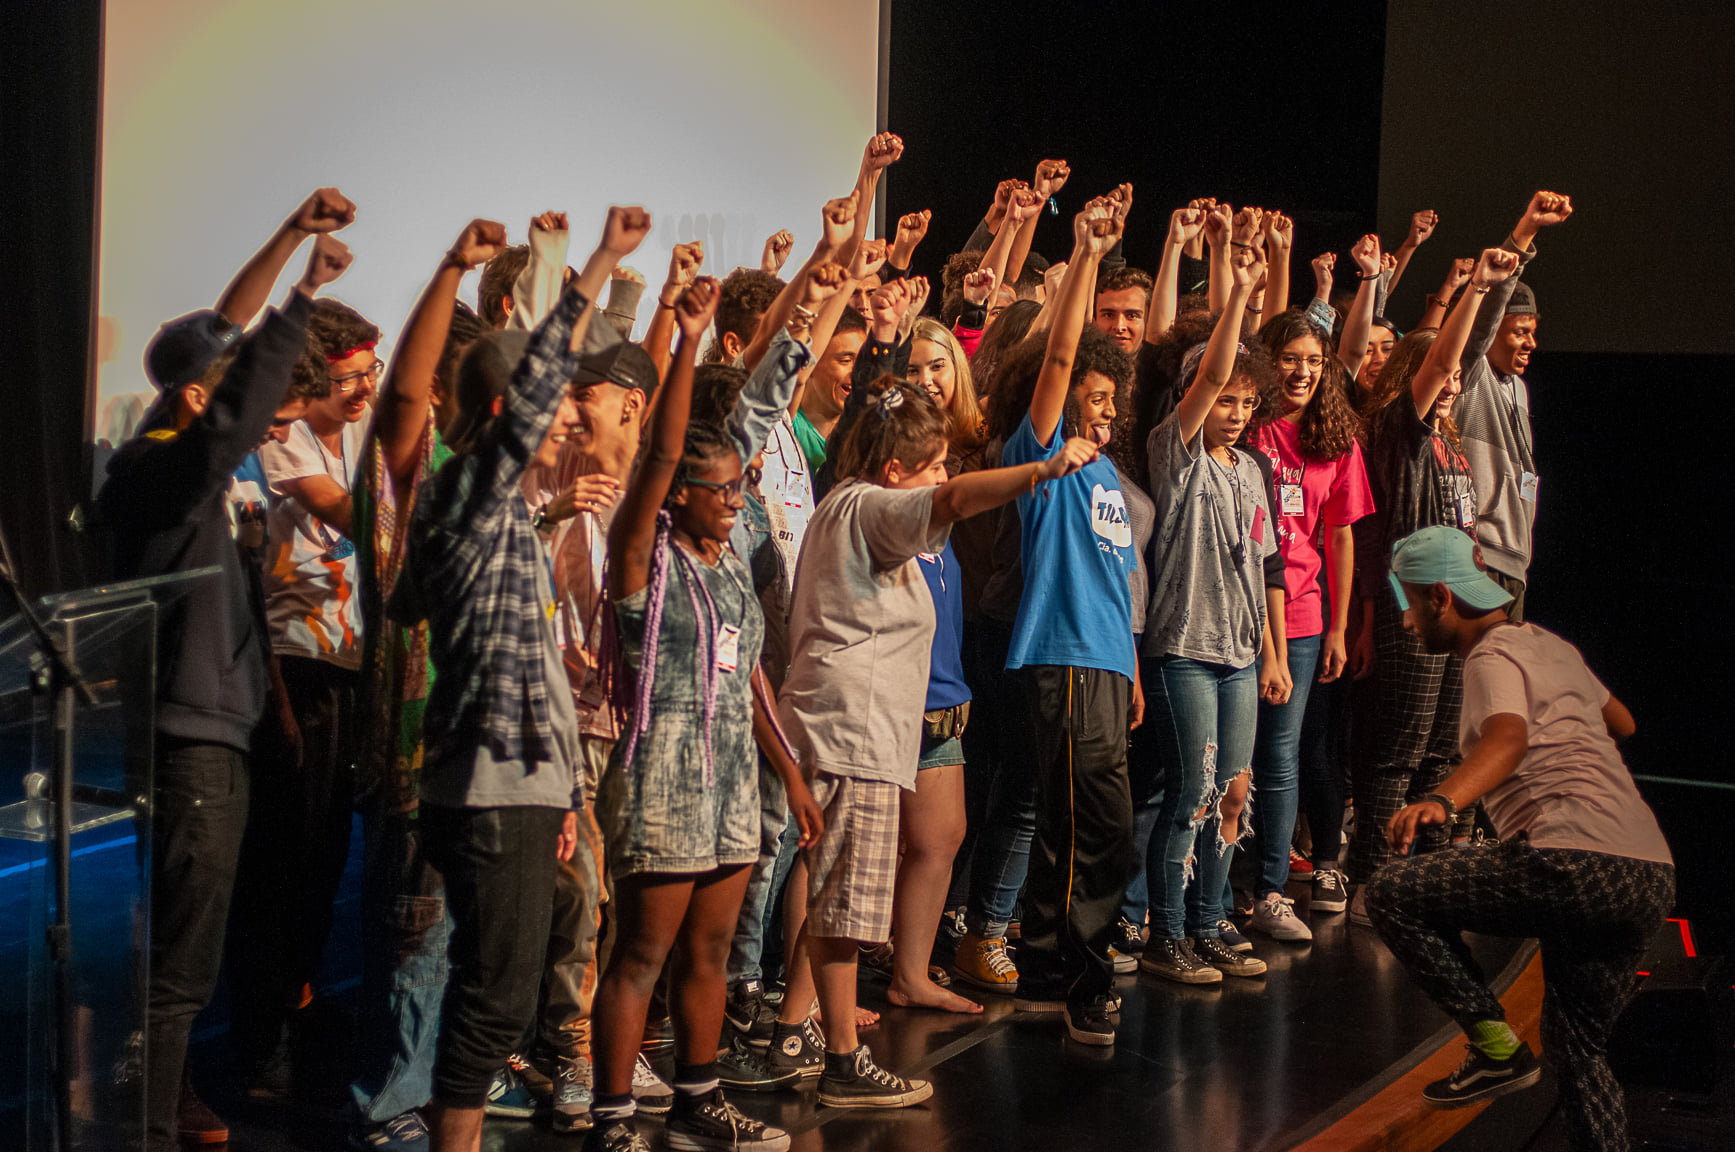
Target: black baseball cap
183 348
625 364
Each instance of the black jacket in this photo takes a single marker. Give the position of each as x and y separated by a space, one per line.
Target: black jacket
163 506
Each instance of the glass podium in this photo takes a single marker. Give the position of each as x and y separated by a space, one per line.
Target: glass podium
89 1061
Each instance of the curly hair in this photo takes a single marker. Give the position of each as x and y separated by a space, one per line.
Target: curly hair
1124 277
1020 370
498 276
704 443
911 431
1159 389
716 389
745 295
1002 335
964 413
1395 378
336 328
1329 424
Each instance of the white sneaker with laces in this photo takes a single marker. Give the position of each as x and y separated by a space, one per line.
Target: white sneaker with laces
650 1090
1275 916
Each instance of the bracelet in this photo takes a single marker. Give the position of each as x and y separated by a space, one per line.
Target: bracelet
1233 244
660 304
539 520
804 314
1375 275
1442 801
1255 311
1479 288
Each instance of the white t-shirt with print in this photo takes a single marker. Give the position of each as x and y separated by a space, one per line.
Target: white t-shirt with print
310 570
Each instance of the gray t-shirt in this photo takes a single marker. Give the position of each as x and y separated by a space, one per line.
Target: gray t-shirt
1213 533
1142 513
861 628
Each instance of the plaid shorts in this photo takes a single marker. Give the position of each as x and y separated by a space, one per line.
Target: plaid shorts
852 870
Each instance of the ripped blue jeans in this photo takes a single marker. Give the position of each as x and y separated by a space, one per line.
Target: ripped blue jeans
1206 715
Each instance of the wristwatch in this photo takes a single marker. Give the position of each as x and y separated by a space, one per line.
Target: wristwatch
1442 801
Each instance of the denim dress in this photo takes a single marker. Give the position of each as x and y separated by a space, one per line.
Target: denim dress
670 808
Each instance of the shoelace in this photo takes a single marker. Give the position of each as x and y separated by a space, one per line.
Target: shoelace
402 1127
644 1075
1184 956
880 1076
1329 879
1281 907
995 957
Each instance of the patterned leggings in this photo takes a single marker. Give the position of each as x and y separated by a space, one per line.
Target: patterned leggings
1594 915
1414 741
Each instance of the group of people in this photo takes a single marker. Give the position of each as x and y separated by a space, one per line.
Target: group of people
677 681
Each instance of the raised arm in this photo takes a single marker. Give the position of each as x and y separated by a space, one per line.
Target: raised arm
401 412
912 230
1218 222
1544 210
684 264
1021 205
778 245
972 493
1279 246
1196 246
543 277
1051 177
868 259
1094 232
836 219
1456 277
882 151
1185 225
327 210
773 387
1422 225
1352 345
1444 353
1217 367
633 534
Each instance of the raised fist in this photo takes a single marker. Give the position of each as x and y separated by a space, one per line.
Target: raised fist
882 151
822 284
1388 261
1051 177
1246 225
888 303
684 264
1279 233
912 228
979 286
1322 269
1024 204
549 222
478 243
1003 193
869 258
1247 265
918 300
697 306
327 261
1495 265
624 230
1185 224
837 219
1218 218
1051 278
1366 254
1547 208
327 210
1458 275
1422 226
777 248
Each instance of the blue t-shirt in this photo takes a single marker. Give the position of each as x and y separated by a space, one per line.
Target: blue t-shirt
946 687
1078 550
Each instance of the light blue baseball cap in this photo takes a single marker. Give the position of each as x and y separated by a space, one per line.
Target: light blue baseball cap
1441 555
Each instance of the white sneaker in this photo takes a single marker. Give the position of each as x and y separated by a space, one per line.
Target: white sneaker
650 1090
1275 916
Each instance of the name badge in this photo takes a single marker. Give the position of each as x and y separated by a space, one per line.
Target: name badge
1466 511
1258 531
1289 499
728 647
1527 486
342 550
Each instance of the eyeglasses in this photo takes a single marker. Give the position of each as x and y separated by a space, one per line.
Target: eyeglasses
731 491
346 383
1290 363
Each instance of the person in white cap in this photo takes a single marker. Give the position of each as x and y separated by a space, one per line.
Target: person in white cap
1580 864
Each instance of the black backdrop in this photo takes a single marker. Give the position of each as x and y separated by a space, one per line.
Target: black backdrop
1269 104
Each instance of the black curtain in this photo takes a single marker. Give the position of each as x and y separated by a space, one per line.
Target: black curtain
50 108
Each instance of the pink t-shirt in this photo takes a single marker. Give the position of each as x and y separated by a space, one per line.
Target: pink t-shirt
1311 494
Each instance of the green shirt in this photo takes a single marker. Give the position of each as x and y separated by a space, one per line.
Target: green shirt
812 443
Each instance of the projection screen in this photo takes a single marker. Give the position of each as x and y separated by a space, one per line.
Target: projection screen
727 119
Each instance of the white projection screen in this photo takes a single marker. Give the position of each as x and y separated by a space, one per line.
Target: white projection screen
727 119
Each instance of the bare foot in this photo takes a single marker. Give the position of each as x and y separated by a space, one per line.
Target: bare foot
864 1017
927 994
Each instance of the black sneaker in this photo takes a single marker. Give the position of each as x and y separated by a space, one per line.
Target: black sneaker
1087 1021
1481 1077
1174 960
748 1012
797 1047
864 1084
1330 891
700 1123
615 1136
748 1070
1035 997
1225 959
1231 935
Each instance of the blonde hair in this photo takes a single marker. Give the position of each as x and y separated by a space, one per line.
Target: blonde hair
964 413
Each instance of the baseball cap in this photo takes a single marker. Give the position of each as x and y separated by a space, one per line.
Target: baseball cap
1441 555
183 348
625 364
484 373
1523 301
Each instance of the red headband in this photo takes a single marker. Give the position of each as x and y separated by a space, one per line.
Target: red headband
368 347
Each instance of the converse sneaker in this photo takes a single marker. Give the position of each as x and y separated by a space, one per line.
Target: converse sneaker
985 964
747 1069
748 1013
1481 1077
1275 916
1038 997
509 1096
699 1123
650 1090
1087 1021
1225 959
1232 937
1299 865
1329 892
799 1048
1129 942
619 1136
1174 960
572 1095
853 1080
406 1132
